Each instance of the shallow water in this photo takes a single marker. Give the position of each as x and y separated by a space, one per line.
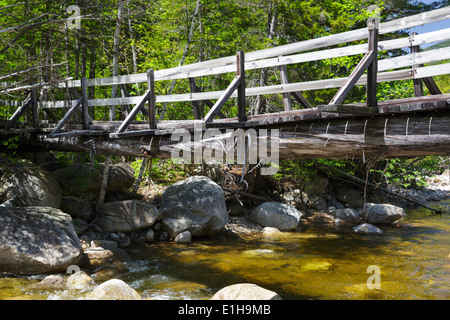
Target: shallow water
328 262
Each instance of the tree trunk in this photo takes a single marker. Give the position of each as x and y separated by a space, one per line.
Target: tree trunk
115 64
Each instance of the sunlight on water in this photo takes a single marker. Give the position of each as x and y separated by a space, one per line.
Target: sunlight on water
317 263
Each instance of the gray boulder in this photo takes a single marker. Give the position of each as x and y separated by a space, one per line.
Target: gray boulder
196 204
37 240
128 215
76 207
381 213
347 214
282 216
245 291
82 179
114 289
366 228
30 185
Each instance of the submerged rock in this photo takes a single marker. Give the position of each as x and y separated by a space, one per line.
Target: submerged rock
196 204
366 228
37 240
80 280
183 237
282 216
245 291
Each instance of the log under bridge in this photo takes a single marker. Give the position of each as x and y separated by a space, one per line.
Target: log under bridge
411 127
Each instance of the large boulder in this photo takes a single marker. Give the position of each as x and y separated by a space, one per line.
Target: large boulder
381 213
282 216
245 291
29 185
196 204
128 215
37 240
81 179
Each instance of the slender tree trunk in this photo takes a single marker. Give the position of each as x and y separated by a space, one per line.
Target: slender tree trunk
115 66
101 196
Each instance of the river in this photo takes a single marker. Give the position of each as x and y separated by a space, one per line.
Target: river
320 262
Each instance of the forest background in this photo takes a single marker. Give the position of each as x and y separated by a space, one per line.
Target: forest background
131 36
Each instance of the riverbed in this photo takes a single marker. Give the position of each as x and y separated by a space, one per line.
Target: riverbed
317 262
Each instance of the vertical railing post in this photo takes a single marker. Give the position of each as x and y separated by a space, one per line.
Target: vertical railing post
84 105
286 96
151 99
195 104
240 62
418 85
34 108
373 66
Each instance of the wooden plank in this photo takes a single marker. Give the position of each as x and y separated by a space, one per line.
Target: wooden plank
301 99
34 108
431 85
222 99
195 104
348 109
77 134
418 85
67 116
134 112
350 82
129 134
240 72
372 69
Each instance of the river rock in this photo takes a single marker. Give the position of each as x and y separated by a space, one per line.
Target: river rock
282 216
37 240
81 179
245 291
114 289
80 280
30 185
347 214
366 228
128 215
196 204
381 213
183 237
76 207
95 258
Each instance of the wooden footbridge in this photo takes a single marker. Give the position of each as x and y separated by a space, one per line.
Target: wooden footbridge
410 127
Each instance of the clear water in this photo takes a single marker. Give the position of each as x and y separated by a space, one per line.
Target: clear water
328 262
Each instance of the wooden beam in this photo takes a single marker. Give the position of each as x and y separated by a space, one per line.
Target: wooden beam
129 134
301 99
350 82
19 112
77 134
195 104
240 72
151 99
431 85
347 109
223 99
286 96
418 85
134 112
68 115
84 105
34 108
372 69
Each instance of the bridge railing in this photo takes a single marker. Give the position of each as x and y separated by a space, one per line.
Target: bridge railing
391 69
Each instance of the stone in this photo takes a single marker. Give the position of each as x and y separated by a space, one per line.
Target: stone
269 231
196 204
128 215
30 185
105 244
76 207
149 235
245 291
114 289
80 280
381 213
352 198
81 179
183 237
347 214
52 282
367 228
95 258
278 215
37 240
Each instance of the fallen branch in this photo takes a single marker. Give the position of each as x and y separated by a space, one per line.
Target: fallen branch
363 183
246 194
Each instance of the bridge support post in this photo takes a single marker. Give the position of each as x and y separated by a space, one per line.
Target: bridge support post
240 62
373 66
151 99
84 105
